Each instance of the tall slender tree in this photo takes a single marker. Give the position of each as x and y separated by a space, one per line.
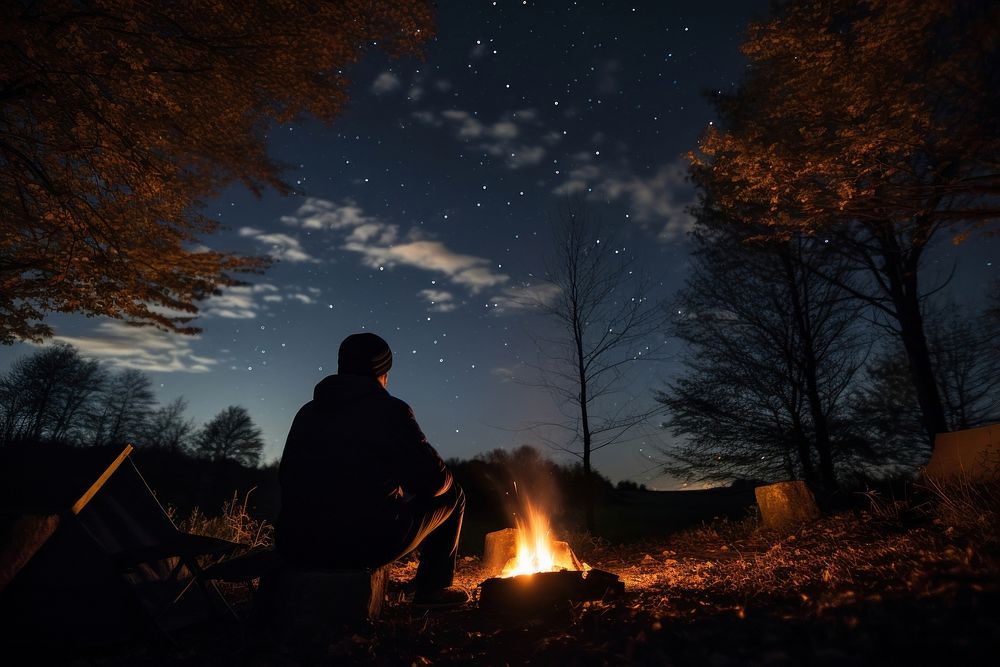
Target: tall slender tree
605 323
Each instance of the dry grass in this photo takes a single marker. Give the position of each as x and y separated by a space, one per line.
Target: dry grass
234 524
969 506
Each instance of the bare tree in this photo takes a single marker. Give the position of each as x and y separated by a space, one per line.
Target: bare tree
168 428
771 350
230 436
885 408
966 353
605 323
884 413
49 395
127 403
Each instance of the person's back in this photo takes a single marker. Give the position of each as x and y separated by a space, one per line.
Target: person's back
350 453
360 484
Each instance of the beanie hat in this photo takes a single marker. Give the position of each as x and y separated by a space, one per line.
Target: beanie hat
364 354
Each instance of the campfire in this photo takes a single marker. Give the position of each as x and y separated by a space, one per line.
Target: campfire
534 571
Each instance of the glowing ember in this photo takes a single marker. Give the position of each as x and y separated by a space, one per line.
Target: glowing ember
536 550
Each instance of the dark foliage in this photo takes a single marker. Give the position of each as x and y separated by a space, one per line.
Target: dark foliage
118 118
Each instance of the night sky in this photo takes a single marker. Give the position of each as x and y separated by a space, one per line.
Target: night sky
424 209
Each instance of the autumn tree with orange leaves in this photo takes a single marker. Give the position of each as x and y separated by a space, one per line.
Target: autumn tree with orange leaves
119 117
872 123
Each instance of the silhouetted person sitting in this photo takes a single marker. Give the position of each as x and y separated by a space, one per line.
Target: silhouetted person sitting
360 484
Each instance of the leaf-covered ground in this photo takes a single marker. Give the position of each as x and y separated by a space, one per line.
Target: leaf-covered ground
850 589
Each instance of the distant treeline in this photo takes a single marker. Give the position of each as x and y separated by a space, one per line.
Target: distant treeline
56 396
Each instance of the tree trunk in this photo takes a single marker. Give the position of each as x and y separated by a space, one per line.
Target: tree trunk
809 367
922 370
900 270
588 501
588 482
802 449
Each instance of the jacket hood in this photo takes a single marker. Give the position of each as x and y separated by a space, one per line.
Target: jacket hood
346 388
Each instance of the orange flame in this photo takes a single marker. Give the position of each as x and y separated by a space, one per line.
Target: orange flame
536 550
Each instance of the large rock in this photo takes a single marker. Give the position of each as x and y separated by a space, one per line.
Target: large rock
969 455
310 606
786 504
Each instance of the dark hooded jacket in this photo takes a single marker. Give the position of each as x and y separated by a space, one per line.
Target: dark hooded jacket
351 454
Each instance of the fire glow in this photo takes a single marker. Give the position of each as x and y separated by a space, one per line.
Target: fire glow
536 574
536 550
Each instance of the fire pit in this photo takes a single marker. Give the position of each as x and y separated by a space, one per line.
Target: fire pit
525 593
536 572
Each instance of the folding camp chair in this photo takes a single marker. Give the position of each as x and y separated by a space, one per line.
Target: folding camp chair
120 512
96 556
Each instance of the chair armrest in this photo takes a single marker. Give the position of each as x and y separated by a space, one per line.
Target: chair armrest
250 565
183 545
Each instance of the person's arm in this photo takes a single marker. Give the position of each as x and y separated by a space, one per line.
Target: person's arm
423 471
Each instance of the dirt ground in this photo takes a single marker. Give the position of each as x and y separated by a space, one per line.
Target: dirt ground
850 589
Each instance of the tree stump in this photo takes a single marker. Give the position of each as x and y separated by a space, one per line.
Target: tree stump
500 546
969 455
310 606
786 504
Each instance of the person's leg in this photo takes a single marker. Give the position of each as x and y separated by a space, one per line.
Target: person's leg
435 527
439 549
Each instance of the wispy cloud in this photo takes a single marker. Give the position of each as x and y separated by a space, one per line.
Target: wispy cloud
519 298
658 202
318 213
386 82
240 302
520 139
508 373
279 246
503 138
382 245
417 87
374 233
466 125
469 271
301 297
142 348
439 301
